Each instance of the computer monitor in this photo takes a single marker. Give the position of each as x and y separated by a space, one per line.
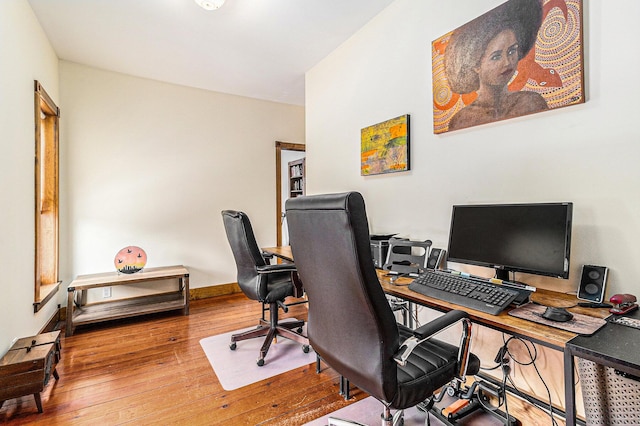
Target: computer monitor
532 238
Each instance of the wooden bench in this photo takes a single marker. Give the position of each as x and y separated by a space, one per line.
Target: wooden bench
79 312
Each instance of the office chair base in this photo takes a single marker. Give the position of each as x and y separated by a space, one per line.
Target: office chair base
271 331
397 419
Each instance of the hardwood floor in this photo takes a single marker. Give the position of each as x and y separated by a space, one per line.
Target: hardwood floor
152 371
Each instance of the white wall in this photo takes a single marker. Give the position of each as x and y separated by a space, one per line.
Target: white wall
588 154
153 164
26 56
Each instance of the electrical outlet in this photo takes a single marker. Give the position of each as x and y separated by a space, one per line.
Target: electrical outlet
106 292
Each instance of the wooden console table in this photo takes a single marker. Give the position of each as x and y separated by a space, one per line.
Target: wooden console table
79 312
28 365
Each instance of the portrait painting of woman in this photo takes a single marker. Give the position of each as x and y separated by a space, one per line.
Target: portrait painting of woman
523 57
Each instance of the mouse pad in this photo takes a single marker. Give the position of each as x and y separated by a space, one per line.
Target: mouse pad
579 324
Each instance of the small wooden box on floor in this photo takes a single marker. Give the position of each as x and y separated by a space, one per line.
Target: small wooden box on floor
27 366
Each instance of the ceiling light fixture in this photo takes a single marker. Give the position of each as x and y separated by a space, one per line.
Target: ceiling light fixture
210 4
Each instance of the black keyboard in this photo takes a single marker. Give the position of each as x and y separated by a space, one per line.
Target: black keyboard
465 291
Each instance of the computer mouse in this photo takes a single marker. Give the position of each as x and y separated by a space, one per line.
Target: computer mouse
557 314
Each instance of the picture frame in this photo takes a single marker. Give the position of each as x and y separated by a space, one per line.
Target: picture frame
384 147
540 45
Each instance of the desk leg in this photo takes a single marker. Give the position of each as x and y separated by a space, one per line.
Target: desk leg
411 309
569 388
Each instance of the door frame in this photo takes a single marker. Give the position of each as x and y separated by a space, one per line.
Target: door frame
287 146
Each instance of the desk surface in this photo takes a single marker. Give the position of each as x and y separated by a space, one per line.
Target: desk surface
545 335
540 333
615 345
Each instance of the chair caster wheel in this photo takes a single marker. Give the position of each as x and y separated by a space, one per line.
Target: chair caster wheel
233 346
305 349
260 362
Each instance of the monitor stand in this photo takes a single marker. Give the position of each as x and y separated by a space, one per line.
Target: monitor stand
523 296
502 274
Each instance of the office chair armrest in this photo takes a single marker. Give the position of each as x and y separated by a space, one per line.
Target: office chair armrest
427 331
439 324
282 267
298 290
266 255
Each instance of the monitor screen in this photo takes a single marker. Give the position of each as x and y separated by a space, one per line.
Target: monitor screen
531 238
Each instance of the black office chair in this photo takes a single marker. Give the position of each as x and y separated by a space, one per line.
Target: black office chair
351 325
261 281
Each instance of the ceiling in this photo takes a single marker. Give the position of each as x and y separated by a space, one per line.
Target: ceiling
255 48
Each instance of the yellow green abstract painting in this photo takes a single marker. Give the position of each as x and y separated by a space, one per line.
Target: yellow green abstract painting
385 147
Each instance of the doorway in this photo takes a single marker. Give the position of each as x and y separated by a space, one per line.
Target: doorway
285 152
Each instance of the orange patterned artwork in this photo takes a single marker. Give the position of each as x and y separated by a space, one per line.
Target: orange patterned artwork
130 260
523 57
385 147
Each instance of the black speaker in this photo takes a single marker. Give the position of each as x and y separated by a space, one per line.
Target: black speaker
436 256
592 283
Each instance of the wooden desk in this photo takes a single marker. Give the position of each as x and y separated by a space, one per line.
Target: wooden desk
547 336
78 312
538 333
550 337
